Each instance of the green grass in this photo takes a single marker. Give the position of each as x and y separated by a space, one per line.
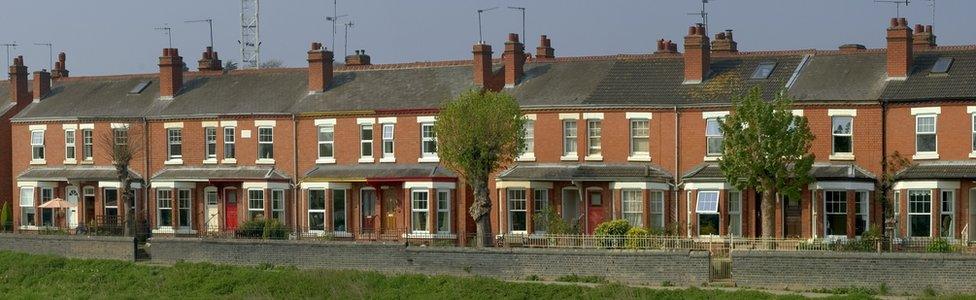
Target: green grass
37 277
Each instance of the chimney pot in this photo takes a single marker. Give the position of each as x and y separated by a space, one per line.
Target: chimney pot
209 62
59 67
319 68
19 89
170 73
894 22
513 37
545 48
42 84
482 65
514 59
899 49
928 28
902 22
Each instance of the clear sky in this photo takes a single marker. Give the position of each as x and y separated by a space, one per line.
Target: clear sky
117 36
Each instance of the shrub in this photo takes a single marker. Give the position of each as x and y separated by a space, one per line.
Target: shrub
262 229
274 230
939 245
613 232
553 223
6 219
637 238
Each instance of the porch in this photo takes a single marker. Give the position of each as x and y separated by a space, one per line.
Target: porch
93 193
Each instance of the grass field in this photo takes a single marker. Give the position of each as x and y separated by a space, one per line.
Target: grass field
34 276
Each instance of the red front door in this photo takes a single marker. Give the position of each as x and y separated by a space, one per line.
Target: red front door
594 215
230 209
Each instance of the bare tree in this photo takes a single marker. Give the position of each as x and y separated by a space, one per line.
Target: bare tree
124 147
230 65
272 63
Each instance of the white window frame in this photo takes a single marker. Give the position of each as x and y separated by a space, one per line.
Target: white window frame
862 210
186 209
164 204
70 146
87 144
632 205
911 212
278 204
735 213
840 155
230 146
699 211
594 139
325 135
419 207
27 207
210 143
428 135
950 203
935 128
570 131
644 138
529 128
972 117
366 144
251 200
443 208
540 198
37 146
118 198
513 198
708 137
325 201
266 143
389 145
656 208
174 141
828 212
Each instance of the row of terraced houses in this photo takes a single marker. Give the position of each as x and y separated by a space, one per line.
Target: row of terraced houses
349 150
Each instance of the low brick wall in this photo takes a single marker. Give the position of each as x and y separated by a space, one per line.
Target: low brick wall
899 272
100 247
633 267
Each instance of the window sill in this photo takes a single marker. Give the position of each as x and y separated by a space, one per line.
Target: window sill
70 161
325 161
593 158
173 162
639 158
163 230
169 230
368 159
229 161
429 159
341 234
211 161
38 162
265 161
569 158
87 162
441 235
29 227
842 156
926 155
388 160
972 154
712 158
527 157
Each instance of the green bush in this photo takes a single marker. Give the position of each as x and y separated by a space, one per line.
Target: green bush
6 219
271 229
274 230
613 227
552 223
637 238
940 245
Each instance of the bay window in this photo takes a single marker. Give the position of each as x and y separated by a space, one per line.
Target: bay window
255 204
835 213
735 213
278 205
111 200
713 137
316 210
657 210
541 203
183 203
842 131
339 210
164 208
266 143
47 214
862 213
707 210
517 211
633 207
925 137
947 224
919 213
443 211
418 211
27 210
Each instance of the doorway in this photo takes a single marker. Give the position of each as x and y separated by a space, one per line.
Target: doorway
213 209
792 219
230 208
571 211
389 210
72 213
368 209
595 211
89 199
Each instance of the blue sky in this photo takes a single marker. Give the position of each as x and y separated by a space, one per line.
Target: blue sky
117 36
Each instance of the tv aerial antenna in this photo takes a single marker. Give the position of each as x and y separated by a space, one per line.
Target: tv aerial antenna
50 54
523 20
335 20
168 31
932 5
345 44
703 14
8 45
897 4
481 37
209 22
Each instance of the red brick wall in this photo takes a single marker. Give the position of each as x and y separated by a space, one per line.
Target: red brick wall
953 130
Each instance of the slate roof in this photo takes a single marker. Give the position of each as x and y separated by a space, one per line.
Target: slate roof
4 90
560 83
853 77
242 93
94 97
710 172
218 173
586 172
958 83
958 169
71 173
370 171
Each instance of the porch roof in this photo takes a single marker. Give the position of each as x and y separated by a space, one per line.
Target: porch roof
72 173
952 169
219 173
710 172
372 171
586 172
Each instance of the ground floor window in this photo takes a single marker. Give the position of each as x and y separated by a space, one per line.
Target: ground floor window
947 225
47 214
255 204
707 209
835 213
516 210
111 201
735 213
862 220
919 213
184 200
633 209
418 211
339 210
657 210
27 211
443 211
541 198
164 207
316 209
897 210
278 205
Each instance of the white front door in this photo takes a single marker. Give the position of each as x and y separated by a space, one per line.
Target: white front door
571 202
213 211
72 217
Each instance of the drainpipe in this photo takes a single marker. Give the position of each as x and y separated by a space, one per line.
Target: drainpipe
677 170
295 187
586 208
884 168
145 160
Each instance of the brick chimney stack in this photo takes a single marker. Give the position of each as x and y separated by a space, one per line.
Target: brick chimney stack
170 73
210 61
358 59
697 56
666 47
482 64
42 84
545 49
724 43
319 68
899 49
514 59
19 92
924 38
60 70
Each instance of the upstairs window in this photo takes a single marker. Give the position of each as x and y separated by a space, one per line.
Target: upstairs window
388 140
326 141
842 134
942 65
974 132
639 137
121 136
366 141
569 138
763 70
175 139
69 144
428 140
87 144
529 127
713 137
265 143
925 138
37 144
210 137
229 147
594 138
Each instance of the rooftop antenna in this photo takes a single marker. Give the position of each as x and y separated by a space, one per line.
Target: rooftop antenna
169 33
209 22
345 45
50 54
896 3
932 5
703 14
523 20
8 45
481 38
250 34
334 20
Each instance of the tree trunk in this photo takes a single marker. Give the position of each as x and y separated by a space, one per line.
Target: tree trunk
480 210
768 207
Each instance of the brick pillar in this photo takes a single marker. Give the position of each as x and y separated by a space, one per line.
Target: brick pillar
723 213
646 208
378 210
529 210
851 213
407 210
328 210
267 204
432 211
693 218
818 213
903 212
175 208
936 212
503 208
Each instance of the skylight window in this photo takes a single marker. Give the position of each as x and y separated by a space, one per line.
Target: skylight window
942 65
764 70
139 87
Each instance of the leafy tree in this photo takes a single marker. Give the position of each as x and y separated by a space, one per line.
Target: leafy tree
766 148
478 134
893 164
